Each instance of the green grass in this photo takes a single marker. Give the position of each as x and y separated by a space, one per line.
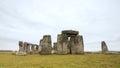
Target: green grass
7 60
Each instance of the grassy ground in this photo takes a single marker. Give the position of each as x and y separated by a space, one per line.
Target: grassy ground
7 60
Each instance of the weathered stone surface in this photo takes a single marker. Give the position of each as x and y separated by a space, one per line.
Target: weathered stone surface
70 32
34 49
62 44
54 50
27 47
76 45
21 46
46 45
40 48
21 49
104 47
55 46
72 46
79 44
59 44
69 42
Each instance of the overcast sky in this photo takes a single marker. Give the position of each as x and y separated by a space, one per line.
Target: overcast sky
29 20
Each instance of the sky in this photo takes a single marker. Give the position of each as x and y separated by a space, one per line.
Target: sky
29 20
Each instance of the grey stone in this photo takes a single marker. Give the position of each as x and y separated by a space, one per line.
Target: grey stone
69 42
62 44
21 49
104 47
27 47
79 44
72 46
70 32
46 45
21 46
34 49
54 50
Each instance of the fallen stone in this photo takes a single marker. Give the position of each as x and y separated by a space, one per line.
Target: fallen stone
21 54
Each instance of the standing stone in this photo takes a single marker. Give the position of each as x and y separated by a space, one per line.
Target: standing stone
79 44
104 47
40 48
34 49
55 46
62 44
65 44
54 51
59 44
37 47
21 45
27 47
21 49
72 46
46 45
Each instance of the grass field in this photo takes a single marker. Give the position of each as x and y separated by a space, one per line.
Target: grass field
7 60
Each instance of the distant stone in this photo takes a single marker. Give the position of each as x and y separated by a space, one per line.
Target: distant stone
21 46
27 47
104 47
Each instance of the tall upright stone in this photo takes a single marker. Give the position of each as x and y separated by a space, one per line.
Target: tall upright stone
21 49
27 47
79 44
46 45
21 46
62 44
72 46
32 49
54 50
104 47
59 44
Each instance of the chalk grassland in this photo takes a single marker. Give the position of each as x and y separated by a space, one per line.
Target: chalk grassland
7 60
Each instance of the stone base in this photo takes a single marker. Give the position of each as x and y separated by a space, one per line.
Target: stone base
21 54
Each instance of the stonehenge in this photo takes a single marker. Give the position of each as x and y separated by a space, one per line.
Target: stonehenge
68 42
